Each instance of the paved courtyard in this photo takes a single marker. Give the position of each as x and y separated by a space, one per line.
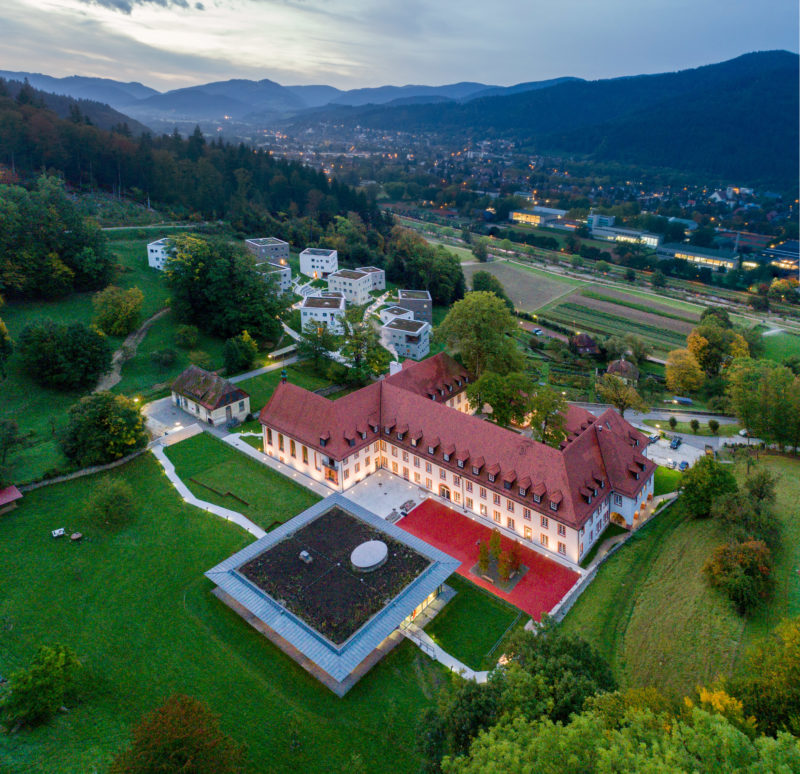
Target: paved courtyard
537 592
385 494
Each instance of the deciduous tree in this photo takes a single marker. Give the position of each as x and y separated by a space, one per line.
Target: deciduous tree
239 353
482 280
621 396
703 483
118 312
683 372
546 408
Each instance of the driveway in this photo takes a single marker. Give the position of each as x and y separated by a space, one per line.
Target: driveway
162 416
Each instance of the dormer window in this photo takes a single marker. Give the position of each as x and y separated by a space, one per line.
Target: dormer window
449 387
446 457
475 470
553 505
491 477
523 491
431 450
433 396
352 441
323 441
594 492
460 463
387 429
364 436
458 382
400 436
537 498
589 499
506 485
413 441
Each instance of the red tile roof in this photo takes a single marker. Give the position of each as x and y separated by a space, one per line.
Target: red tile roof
208 389
598 452
9 495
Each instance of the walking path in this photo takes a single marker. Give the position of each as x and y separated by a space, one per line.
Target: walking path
126 352
430 648
183 491
265 369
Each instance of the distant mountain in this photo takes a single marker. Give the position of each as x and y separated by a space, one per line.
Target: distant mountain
496 91
736 119
99 115
114 93
315 96
382 94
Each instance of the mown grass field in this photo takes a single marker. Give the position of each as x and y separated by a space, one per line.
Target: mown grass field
651 613
781 345
218 473
261 387
136 608
666 480
529 288
473 623
725 430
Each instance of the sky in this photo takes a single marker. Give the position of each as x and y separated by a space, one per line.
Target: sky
353 43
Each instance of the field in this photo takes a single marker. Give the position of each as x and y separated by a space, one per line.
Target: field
136 608
666 480
725 430
455 629
651 613
222 475
781 345
261 387
529 288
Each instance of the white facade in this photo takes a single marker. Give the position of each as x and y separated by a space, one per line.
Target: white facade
377 275
395 313
353 284
268 249
238 410
407 338
612 234
540 529
327 310
317 262
279 272
157 253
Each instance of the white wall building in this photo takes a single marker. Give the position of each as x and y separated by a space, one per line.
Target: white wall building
269 249
407 338
355 285
395 313
318 262
327 309
281 273
157 253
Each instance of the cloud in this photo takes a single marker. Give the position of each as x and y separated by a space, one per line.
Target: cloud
126 6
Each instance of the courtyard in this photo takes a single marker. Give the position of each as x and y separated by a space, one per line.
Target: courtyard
537 592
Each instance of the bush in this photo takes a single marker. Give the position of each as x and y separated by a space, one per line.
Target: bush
112 504
117 311
201 359
36 693
101 428
713 426
746 519
695 425
182 735
703 483
65 357
673 422
186 336
239 353
743 572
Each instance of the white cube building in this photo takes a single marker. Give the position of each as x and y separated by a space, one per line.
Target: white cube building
281 274
355 285
318 262
157 253
395 313
407 338
327 309
378 276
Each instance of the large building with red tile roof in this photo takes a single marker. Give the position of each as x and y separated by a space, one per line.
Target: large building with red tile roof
409 423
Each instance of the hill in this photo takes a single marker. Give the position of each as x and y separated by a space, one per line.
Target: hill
736 119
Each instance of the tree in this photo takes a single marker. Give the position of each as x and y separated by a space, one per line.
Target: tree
35 693
118 312
482 280
695 425
180 735
202 274
769 682
113 503
761 486
630 275
746 519
479 250
494 545
743 571
507 395
483 557
658 280
714 345
546 408
638 348
603 267
9 438
65 357
504 566
239 353
713 426
316 344
6 349
683 372
621 396
362 348
705 481
480 329
186 336
101 428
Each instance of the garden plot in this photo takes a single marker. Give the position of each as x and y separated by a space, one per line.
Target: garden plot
529 289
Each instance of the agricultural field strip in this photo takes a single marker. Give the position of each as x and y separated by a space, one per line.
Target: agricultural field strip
619 300
636 316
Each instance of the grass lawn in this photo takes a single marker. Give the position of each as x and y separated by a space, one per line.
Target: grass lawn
261 387
651 613
472 624
135 607
611 530
212 469
666 480
462 253
725 431
781 345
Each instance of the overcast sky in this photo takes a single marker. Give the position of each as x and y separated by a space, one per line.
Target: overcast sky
351 43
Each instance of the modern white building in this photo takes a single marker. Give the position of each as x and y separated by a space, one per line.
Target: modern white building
395 313
318 262
157 253
615 234
378 276
407 338
704 256
279 271
353 284
327 309
417 301
537 216
269 249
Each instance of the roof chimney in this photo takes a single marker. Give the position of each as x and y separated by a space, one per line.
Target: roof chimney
395 367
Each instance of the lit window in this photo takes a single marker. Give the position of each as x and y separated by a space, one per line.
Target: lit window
544 540
470 504
562 548
510 523
545 522
496 516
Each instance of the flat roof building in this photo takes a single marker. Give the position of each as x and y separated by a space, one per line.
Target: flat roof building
354 284
703 256
631 235
279 271
318 262
395 312
417 301
407 338
269 248
537 216
327 309
157 253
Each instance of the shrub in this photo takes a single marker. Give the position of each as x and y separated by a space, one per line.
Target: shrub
673 422
164 358
713 426
239 353
117 311
483 557
65 357
101 428
494 544
186 336
743 572
705 481
182 735
201 359
113 503
695 425
745 519
36 693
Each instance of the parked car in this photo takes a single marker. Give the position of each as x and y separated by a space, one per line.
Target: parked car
537 331
675 442
683 467
653 438
670 463
744 433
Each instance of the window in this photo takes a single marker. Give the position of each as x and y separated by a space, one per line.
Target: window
305 455
292 448
400 436
405 473
496 516
457 480
269 436
405 456
509 506
414 442
506 485
428 483
460 463
482 492
526 514
366 462
510 523
352 442
528 533
394 467
355 454
617 499
447 458
522 491
430 450
468 486
544 540
470 504
417 478
358 467
443 474
383 445
537 498
484 510
562 530
491 478
428 467
394 451
457 496
241 405
545 522
416 462
280 441
346 473
553 506
496 499
562 548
